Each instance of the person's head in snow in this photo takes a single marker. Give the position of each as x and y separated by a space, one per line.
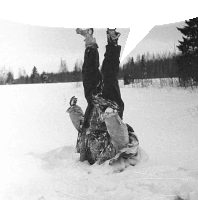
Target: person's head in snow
90 41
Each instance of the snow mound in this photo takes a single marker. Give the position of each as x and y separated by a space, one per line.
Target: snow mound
72 179
165 120
66 156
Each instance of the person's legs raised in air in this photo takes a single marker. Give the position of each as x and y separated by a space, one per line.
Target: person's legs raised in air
110 70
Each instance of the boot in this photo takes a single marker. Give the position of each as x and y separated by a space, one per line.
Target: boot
112 37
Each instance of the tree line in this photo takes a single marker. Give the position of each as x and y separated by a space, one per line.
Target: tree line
149 66
63 75
183 65
146 66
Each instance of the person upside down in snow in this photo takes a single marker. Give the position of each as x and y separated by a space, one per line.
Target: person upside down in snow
102 135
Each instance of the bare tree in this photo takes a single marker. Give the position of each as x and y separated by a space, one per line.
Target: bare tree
63 66
22 76
3 75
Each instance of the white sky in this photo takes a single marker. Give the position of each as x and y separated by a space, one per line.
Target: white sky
25 46
160 39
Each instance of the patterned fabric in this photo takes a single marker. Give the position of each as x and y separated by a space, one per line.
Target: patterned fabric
98 142
79 142
96 122
99 145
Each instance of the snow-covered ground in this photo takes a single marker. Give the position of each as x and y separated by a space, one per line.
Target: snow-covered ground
37 146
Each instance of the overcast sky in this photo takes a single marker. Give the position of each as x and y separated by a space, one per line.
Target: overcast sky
25 46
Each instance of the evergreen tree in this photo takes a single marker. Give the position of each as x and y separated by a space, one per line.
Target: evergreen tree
188 60
77 71
143 67
3 76
128 70
44 78
10 78
22 76
34 76
27 79
63 66
189 45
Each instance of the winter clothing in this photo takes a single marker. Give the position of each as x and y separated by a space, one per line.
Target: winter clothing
76 115
102 136
91 77
93 143
98 147
110 65
122 135
117 130
110 70
89 39
83 153
98 141
95 122
112 140
77 118
112 37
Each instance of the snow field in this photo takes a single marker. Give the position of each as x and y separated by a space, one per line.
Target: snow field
38 140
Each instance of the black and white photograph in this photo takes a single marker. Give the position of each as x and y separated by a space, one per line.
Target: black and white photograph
84 118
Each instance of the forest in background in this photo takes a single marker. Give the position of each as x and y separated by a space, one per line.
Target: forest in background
183 65
145 67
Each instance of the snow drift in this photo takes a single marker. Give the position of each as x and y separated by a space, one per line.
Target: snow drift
38 141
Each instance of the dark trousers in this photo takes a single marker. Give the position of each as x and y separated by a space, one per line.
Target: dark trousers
110 70
91 77
111 91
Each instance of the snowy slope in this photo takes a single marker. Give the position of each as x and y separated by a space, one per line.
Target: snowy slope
37 146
